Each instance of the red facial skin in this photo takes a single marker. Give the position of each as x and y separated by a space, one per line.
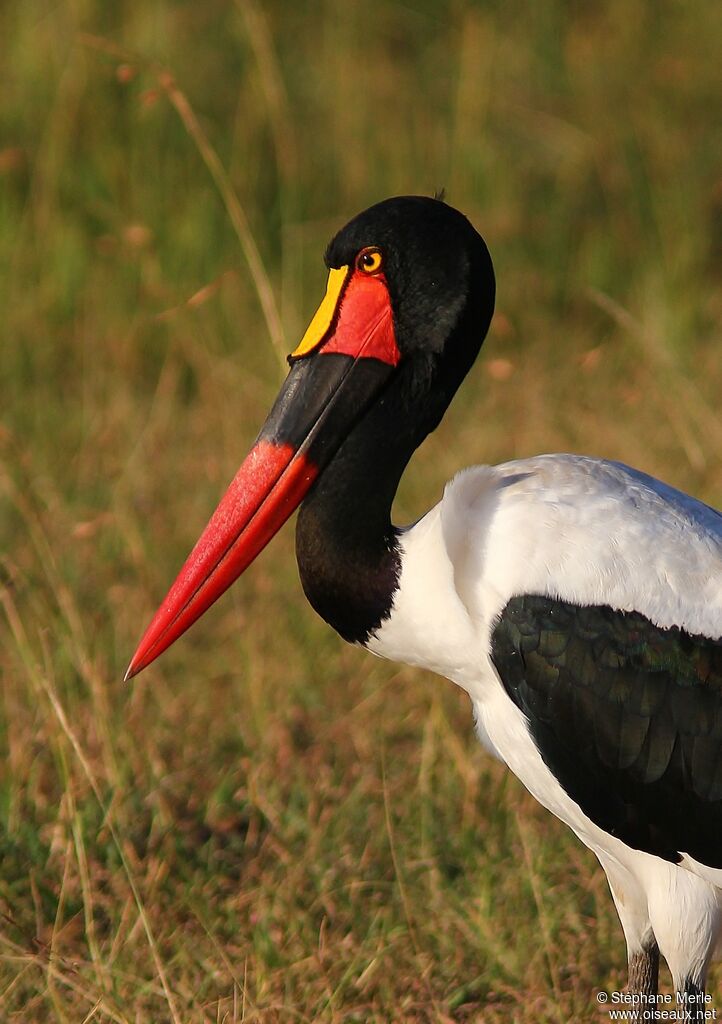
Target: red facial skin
364 324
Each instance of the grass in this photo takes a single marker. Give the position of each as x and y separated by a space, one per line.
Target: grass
268 825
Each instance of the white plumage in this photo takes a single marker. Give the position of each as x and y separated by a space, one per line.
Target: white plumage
589 532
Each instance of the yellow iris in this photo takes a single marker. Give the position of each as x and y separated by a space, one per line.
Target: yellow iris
369 261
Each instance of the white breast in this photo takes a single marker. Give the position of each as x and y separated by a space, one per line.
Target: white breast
588 532
578 529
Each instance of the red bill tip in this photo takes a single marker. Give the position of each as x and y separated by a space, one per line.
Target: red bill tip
265 491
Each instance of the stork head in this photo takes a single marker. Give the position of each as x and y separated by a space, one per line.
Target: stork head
408 302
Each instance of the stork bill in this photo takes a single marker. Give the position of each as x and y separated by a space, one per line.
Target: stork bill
577 601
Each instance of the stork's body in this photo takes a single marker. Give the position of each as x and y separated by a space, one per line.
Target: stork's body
578 602
541 587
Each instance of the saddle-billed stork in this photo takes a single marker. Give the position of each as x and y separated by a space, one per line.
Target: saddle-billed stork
577 601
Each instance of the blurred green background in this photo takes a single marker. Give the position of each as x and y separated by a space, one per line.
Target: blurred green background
268 825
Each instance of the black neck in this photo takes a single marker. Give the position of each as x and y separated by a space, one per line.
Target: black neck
346 545
348 552
347 548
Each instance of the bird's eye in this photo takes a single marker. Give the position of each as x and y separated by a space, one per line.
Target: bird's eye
369 261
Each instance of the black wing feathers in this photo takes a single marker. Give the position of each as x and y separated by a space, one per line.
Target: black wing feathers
627 715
